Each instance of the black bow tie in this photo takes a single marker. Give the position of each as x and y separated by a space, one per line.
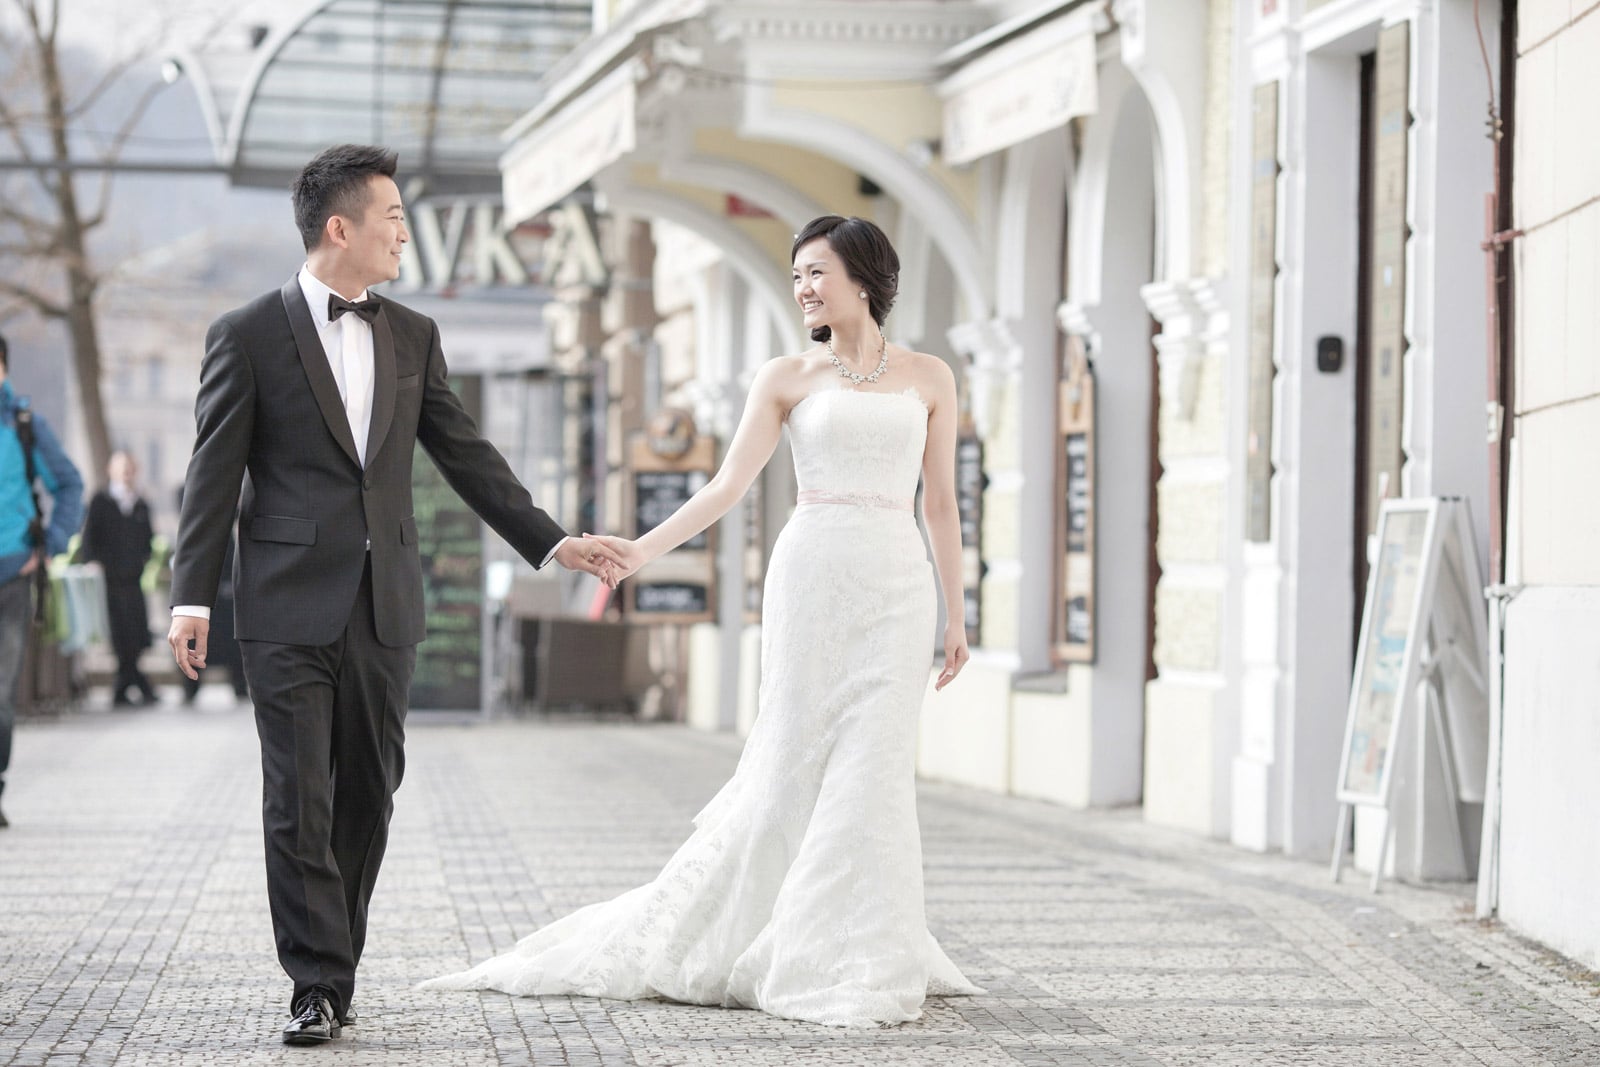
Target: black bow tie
338 305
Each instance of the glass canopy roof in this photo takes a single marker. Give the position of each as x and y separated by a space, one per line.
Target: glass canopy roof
436 80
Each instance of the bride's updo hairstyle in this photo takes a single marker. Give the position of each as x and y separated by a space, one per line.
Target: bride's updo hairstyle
868 257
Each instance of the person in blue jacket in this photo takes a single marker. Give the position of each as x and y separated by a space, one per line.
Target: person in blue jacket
27 538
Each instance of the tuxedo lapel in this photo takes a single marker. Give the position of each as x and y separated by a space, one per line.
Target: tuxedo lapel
318 373
383 382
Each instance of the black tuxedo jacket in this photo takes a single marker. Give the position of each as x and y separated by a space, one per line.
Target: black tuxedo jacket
269 414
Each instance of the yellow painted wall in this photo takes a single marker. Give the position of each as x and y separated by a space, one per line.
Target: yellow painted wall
772 235
896 114
831 184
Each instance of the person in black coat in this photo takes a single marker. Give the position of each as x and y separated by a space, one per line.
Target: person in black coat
117 535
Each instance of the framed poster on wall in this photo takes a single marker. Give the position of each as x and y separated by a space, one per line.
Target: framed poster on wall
1074 623
970 484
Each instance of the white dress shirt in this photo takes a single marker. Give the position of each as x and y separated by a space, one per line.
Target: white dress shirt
347 342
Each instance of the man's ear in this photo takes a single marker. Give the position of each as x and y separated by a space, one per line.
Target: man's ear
335 233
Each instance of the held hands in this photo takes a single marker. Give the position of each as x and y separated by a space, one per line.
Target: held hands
584 554
955 654
186 628
627 554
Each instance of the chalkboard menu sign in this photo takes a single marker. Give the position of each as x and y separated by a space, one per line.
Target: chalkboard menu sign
970 483
673 598
1073 639
680 586
449 673
1077 495
657 494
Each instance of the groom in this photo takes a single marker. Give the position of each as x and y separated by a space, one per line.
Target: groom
313 397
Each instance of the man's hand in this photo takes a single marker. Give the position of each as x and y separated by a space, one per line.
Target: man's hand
625 554
184 629
582 554
35 561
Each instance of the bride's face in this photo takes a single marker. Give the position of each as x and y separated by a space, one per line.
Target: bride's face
822 286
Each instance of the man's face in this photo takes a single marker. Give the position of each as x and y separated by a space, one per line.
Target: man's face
122 470
373 242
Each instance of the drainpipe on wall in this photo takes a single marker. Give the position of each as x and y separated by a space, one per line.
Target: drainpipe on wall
1504 567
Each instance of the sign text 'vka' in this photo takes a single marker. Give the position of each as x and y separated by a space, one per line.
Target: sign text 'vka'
467 243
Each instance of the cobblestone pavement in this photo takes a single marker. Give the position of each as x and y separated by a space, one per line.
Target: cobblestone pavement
133 922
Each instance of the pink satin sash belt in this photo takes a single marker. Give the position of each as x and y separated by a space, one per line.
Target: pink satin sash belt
863 500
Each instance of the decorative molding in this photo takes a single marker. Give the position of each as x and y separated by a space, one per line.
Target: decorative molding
935 25
995 362
1192 313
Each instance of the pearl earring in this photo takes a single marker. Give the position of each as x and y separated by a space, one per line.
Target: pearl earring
863 294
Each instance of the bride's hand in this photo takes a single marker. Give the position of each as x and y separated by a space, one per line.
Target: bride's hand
625 554
955 654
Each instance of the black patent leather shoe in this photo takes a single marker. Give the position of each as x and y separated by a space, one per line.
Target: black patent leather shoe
314 1023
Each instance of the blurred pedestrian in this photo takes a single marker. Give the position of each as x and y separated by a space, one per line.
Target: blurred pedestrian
117 535
30 458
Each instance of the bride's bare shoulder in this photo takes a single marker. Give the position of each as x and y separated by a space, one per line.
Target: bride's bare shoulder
788 379
930 374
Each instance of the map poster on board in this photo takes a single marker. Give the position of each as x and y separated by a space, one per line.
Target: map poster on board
449 672
1387 650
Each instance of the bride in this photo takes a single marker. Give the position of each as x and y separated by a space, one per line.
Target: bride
800 890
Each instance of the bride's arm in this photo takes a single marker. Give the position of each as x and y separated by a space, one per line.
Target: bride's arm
940 512
753 444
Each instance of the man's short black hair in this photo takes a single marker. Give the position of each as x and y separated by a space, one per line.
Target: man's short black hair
335 183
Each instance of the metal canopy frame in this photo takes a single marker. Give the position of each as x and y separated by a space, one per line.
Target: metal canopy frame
439 81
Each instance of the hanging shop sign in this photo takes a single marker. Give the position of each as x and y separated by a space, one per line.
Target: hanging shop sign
467 242
1074 623
667 467
1024 87
569 148
1263 311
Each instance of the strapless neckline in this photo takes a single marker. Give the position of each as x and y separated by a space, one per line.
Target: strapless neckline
910 392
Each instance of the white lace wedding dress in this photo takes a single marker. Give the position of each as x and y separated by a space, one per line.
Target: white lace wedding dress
800 890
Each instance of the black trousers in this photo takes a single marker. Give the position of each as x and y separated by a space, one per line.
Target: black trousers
130 632
331 720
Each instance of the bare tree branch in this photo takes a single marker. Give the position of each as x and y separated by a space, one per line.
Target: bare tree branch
13 127
31 225
41 303
136 55
112 153
28 249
